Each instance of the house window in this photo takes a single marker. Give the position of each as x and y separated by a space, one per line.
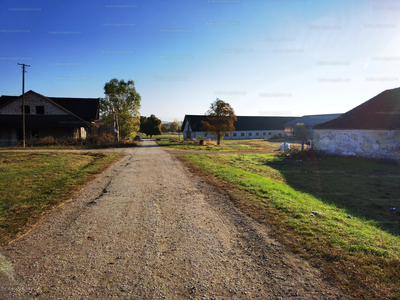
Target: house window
40 110
269 133
279 135
264 133
257 133
250 134
242 134
226 134
27 109
234 134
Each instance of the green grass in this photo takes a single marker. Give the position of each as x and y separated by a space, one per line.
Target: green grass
255 145
32 183
310 202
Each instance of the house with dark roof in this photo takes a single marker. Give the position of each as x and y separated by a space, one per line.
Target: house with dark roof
246 127
371 129
45 116
309 122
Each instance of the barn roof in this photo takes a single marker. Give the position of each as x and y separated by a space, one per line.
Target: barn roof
380 112
311 120
85 108
243 123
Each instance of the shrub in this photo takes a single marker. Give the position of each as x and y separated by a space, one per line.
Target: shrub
296 154
45 141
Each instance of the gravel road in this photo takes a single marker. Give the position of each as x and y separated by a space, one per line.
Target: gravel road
149 229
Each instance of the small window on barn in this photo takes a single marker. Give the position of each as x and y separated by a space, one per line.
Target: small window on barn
242 134
250 134
257 133
226 134
264 133
269 133
27 109
40 110
234 134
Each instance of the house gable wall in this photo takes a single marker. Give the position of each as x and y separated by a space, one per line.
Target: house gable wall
366 143
33 100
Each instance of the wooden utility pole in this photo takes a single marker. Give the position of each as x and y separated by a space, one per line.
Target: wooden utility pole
23 101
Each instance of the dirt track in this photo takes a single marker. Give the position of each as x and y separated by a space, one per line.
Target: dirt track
148 229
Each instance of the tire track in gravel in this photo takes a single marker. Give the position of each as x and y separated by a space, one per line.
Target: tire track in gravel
149 229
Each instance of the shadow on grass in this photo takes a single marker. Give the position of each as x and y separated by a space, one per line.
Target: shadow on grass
365 188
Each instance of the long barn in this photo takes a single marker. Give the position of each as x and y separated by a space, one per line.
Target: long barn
246 127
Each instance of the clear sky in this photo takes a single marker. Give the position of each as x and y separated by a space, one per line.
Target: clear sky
264 57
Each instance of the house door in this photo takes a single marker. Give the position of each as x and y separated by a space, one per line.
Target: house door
188 135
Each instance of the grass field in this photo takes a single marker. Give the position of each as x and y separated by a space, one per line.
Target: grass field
32 183
253 145
335 211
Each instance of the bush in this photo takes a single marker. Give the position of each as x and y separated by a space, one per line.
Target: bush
296 154
274 137
93 140
46 141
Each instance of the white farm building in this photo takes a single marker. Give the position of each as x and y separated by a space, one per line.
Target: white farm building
371 129
246 127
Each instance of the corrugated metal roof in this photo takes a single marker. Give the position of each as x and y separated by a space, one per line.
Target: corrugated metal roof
311 120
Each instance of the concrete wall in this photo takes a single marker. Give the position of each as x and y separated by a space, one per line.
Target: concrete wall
32 100
367 143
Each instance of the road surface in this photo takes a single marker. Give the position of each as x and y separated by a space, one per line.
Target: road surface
149 229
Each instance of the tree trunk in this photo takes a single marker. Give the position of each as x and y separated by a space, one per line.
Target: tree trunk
219 141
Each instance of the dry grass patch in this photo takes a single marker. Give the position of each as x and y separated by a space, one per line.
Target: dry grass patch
33 183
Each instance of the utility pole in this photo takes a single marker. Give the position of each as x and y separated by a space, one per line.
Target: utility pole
23 101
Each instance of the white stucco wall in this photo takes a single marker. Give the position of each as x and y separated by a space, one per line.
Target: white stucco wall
367 143
237 135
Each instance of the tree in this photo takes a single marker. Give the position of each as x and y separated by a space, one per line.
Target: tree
121 97
300 132
220 119
174 126
165 127
150 126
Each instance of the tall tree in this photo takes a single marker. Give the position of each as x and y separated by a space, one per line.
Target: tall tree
121 97
220 119
150 126
174 126
300 132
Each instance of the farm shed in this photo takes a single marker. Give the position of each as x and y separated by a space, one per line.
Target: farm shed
246 127
372 129
309 122
45 116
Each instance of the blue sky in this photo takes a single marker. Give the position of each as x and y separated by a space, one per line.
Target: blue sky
264 57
